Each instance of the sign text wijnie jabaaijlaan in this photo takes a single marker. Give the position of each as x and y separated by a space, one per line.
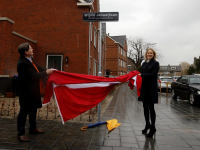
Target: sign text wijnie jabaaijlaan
100 16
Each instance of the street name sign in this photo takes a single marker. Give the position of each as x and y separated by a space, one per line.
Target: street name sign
100 16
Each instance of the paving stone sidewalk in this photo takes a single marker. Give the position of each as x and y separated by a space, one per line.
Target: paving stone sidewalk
177 126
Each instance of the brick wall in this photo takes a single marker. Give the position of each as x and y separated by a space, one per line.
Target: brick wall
58 28
9 49
9 54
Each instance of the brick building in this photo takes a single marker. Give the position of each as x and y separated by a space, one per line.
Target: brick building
130 65
116 55
56 31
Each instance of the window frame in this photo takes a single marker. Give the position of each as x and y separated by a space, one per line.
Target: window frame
47 58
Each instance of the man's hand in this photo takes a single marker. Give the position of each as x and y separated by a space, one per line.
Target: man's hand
49 71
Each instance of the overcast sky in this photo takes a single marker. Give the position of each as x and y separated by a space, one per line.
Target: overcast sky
173 24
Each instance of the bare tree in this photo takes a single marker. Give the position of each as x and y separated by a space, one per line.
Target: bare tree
184 67
136 49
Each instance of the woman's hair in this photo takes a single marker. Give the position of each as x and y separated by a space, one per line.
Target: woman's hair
22 48
154 53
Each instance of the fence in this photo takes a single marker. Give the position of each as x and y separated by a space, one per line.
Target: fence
9 108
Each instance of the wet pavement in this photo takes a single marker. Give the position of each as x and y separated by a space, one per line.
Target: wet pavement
177 124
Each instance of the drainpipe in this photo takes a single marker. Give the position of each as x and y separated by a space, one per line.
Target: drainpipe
99 73
89 47
118 58
99 48
123 61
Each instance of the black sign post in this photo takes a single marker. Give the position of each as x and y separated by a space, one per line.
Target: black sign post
100 16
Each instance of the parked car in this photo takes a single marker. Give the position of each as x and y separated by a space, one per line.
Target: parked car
187 87
175 78
162 80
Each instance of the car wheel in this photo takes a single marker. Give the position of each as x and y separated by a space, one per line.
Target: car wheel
191 99
173 94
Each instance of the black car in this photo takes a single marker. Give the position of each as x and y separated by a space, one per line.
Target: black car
187 87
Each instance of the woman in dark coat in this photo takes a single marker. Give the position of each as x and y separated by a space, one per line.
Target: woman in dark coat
149 90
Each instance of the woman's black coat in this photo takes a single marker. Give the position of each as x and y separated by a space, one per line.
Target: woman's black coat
29 88
149 89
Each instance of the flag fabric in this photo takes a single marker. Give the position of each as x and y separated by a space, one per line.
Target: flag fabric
77 93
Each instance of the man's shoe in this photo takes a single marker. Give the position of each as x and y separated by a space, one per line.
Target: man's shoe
36 131
23 138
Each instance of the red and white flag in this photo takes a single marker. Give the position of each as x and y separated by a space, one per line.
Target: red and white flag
77 93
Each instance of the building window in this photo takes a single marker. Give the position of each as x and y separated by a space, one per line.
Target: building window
166 73
94 67
54 61
129 68
95 37
119 62
173 68
90 61
121 51
107 72
164 68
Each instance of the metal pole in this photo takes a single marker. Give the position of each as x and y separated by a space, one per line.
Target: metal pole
99 73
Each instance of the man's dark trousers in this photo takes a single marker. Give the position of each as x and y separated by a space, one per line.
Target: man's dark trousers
21 120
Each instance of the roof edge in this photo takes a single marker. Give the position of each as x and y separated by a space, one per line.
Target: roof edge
90 5
24 37
114 40
6 19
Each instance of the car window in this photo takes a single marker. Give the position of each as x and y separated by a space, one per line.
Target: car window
184 79
194 80
180 79
166 79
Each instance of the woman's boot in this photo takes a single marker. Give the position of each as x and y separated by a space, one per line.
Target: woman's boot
151 132
146 128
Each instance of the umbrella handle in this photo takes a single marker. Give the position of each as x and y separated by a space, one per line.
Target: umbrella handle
84 128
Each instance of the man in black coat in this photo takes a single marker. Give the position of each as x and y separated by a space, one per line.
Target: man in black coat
29 75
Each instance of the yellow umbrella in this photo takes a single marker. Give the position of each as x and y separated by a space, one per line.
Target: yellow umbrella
112 124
